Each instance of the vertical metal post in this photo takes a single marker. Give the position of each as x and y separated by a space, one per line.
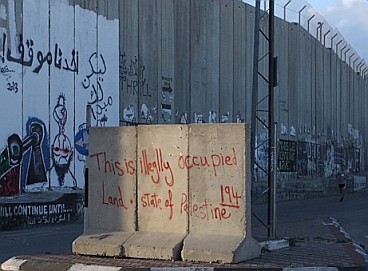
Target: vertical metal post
272 133
253 131
86 178
300 12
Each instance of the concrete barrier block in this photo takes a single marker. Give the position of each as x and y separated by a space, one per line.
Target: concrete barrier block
219 248
111 191
219 187
157 245
108 244
162 188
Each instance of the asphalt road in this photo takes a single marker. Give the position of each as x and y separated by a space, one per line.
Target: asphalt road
49 239
352 214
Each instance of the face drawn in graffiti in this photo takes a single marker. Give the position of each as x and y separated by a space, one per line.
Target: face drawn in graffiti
62 150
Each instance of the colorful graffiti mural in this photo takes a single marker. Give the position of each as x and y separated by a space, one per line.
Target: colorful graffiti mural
48 75
11 161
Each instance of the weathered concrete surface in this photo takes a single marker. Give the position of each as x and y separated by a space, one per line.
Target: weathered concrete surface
101 243
219 248
111 192
155 245
169 192
162 224
220 209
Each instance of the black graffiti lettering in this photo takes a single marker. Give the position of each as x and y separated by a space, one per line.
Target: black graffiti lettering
41 60
57 56
25 55
13 86
97 98
73 63
132 77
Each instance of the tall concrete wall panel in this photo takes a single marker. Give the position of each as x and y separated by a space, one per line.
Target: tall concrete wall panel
191 62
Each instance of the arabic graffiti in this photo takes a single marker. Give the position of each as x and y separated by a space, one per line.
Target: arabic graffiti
94 83
24 56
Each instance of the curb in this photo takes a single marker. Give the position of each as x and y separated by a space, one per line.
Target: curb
18 264
358 249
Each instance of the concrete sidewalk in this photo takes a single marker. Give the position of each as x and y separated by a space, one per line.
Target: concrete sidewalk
318 244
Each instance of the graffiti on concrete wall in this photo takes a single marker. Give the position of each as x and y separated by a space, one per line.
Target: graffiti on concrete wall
25 214
132 77
133 82
62 150
26 154
32 67
287 156
311 159
26 56
161 171
93 82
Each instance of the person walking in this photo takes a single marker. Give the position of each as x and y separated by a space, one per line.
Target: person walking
342 177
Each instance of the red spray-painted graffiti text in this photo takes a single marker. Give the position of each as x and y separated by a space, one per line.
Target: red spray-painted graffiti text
156 167
152 200
110 166
114 200
216 160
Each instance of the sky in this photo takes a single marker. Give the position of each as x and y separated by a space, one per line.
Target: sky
350 18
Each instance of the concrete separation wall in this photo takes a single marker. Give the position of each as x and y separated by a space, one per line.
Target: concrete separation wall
191 194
